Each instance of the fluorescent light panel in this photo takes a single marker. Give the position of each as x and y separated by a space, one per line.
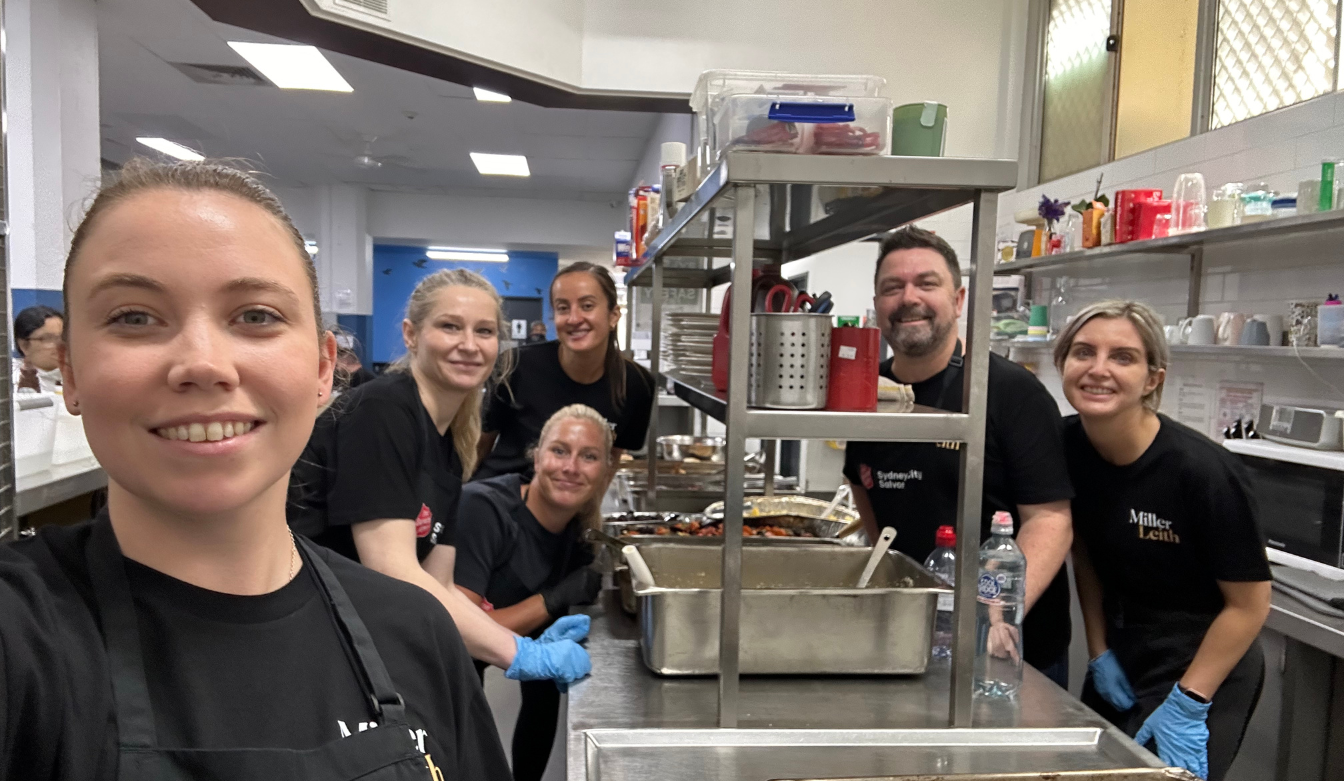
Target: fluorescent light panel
486 96
170 148
468 255
293 66
500 165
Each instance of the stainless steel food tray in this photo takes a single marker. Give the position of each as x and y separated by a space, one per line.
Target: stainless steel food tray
1128 774
776 506
800 613
823 532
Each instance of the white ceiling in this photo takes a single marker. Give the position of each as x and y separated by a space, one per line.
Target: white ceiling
426 126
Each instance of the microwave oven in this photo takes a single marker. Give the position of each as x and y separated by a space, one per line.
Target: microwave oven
1300 497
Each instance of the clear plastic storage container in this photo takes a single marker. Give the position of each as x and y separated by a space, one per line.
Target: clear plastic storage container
715 86
802 125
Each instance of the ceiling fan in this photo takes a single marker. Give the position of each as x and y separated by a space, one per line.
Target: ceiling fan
369 161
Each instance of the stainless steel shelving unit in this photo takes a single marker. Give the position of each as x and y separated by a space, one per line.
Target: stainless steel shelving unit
895 191
1189 245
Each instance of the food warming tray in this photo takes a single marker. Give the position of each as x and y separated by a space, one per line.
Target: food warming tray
800 612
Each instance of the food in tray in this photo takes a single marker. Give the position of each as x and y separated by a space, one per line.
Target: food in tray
763 132
843 137
694 528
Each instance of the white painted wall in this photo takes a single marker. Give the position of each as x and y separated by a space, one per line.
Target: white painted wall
51 86
345 250
671 127
543 38
966 53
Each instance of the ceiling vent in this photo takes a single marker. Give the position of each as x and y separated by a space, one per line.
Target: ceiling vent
376 8
236 75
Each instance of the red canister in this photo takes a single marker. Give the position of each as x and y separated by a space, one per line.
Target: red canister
852 386
1126 212
1146 219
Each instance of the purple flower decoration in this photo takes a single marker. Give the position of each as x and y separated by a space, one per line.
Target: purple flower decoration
1049 210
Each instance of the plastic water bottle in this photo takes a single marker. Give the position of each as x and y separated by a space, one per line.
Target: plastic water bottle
1001 593
943 564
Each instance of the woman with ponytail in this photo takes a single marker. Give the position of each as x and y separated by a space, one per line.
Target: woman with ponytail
583 366
382 474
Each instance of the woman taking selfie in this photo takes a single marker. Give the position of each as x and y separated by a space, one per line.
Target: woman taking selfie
37 334
523 554
185 633
381 478
584 366
1169 559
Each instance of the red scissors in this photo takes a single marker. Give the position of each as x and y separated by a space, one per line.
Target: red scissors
792 302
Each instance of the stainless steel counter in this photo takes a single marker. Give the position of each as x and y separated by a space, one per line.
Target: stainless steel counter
1292 618
37 490
625 722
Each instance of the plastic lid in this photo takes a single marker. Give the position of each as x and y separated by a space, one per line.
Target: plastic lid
673 153
945 537
718 83
1002 520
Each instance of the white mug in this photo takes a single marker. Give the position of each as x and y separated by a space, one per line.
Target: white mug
1201 329
1173 333
1275 325
1230 325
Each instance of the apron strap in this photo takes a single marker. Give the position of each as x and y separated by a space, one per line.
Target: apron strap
386 702
121 637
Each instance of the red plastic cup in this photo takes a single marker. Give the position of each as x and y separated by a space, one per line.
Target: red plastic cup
852 385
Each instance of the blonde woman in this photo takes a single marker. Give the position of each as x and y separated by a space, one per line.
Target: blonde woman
185 632
382 475
523 553
1170 562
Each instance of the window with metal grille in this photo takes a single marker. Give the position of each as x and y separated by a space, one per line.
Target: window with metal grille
1074 106
1271 54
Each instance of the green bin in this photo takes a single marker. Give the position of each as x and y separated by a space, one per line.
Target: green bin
919 129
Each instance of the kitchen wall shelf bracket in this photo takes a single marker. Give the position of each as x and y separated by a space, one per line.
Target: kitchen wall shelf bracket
794 221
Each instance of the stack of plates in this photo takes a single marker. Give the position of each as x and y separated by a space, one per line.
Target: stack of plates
689 344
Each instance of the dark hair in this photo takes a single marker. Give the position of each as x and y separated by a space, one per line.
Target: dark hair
911 237
615 363
31 319
142 175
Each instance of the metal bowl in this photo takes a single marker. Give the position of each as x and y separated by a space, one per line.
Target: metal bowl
681 446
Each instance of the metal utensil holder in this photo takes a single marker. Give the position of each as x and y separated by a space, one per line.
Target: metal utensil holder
790 358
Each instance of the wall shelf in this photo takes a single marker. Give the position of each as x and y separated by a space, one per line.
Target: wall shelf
1325 459
1237 351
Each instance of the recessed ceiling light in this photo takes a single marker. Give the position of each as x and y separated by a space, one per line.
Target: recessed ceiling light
500 165
292 66
486 96
468 255
171 148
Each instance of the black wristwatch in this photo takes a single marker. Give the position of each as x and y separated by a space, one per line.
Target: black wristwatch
1193 695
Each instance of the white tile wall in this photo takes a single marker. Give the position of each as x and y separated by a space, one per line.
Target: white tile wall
1280 148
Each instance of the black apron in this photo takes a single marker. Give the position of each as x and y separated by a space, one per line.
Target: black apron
382 754
1154 648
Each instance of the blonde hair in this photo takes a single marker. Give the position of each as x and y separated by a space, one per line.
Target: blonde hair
1146 322
591 513
466 424
142 175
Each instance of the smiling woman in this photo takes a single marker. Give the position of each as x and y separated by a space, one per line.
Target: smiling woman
382 475
186 632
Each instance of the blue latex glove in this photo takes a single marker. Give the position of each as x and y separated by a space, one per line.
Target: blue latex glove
1178 725
1111 682
564 661
567 628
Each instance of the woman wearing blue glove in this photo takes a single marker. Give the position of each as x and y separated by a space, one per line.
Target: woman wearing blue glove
1168 555
381 478
523 554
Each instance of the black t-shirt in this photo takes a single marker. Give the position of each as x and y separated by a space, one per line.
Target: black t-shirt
913 486
224 671
1163 530
503 552
540 388
374 454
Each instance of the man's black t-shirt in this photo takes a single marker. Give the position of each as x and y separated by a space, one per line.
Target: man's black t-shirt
374 454
538 388
1163 530
913 486
224 671
503 552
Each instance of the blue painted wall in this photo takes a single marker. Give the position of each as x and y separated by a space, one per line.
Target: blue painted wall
398 269
23 297
361 327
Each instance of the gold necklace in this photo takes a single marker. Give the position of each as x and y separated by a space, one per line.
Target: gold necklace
293 552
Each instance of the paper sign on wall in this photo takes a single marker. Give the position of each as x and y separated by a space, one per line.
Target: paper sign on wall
519 329
1192 404
1237 401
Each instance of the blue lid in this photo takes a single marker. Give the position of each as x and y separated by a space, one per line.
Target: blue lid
1285 202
